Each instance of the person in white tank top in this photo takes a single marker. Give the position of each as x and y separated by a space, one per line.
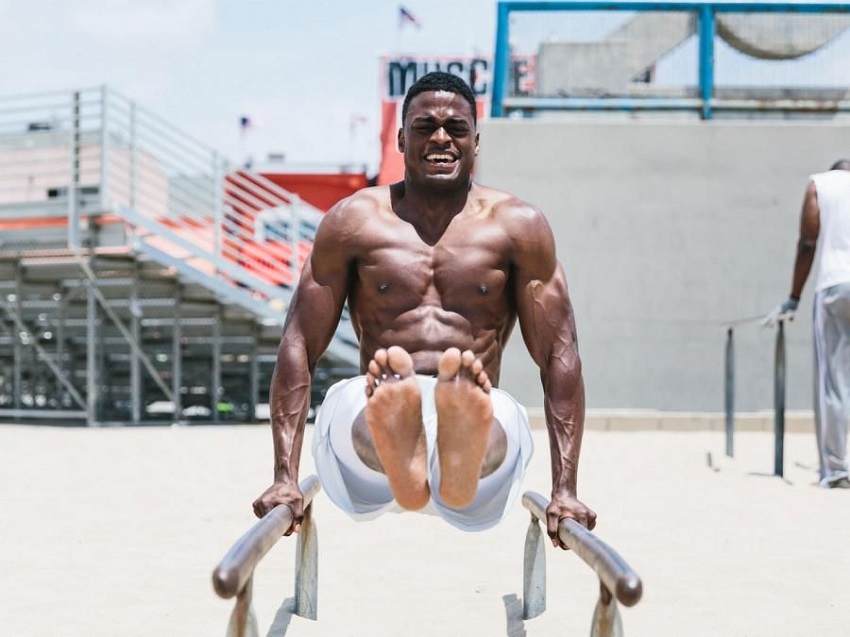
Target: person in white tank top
824 244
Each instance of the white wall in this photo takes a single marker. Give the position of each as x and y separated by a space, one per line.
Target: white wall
667 230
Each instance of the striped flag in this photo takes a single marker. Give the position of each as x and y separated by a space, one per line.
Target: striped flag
406 17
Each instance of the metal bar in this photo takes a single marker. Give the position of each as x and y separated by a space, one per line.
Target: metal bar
254 375
779 400
501 59
243 621
216 365
237 566
731 6
607 103
59 414
104 149
134 156
135 332
606 616
635 104
18 352
707 28
730 392
617 576
534 571
307 568
57 371
218 202
177 356
91 353
74 238
295 239
134 346
225 266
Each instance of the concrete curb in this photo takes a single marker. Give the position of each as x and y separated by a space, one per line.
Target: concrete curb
653 420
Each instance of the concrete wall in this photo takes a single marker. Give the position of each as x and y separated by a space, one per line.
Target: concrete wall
668 229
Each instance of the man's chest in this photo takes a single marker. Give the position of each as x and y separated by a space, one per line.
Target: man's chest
456 270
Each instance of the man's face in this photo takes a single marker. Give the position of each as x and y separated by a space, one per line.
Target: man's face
439 139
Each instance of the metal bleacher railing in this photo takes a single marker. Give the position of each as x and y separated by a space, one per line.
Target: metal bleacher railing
704 19
90 170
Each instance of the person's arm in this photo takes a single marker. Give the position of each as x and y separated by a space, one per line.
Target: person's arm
807 242
548 328
312 318
805 256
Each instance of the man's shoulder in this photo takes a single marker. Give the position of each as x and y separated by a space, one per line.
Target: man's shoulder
363 201
501 201
507 207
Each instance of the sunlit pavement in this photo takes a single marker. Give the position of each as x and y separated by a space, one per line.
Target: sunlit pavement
115 532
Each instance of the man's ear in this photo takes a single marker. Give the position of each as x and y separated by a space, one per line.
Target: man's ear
400 140
477 138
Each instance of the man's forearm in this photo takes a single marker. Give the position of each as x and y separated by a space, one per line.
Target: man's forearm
564 408
290 402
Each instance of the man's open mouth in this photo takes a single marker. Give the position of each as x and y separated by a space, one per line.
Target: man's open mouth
443 159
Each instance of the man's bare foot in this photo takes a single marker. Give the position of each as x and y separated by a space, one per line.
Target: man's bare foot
394 418
464 420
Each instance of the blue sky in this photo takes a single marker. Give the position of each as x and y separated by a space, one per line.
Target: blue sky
301 70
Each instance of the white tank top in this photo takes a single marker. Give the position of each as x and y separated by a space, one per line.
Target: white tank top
833 247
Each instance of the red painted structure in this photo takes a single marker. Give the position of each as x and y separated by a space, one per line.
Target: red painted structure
322 190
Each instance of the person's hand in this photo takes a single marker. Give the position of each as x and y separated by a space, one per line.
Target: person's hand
564 506
282 493
788 306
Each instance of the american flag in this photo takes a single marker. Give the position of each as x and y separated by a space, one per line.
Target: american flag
406 17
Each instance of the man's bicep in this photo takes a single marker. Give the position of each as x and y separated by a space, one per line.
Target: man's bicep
810 216
314 313
546 316
321 293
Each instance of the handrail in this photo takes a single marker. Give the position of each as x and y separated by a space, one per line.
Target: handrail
618 581
238 564
234 575
778 386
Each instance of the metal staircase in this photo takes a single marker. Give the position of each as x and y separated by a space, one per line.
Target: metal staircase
98 194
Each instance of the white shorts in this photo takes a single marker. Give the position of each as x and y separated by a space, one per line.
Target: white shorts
365 494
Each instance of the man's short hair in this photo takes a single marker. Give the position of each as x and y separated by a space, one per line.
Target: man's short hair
439 81
841 164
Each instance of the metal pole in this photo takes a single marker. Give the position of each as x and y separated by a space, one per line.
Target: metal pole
254 373
17 377
500 64
730 393
74 230
177 359
135 366
707 28
104 150
779 400
294 235
61 356
91 353
216 365
218 203
134 157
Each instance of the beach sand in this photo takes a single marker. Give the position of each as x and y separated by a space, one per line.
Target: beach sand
116 531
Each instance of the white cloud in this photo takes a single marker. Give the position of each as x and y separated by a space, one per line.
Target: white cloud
153 23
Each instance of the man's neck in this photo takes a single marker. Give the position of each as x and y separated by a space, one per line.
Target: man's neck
430 210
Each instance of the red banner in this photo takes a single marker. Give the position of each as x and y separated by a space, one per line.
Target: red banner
398 74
